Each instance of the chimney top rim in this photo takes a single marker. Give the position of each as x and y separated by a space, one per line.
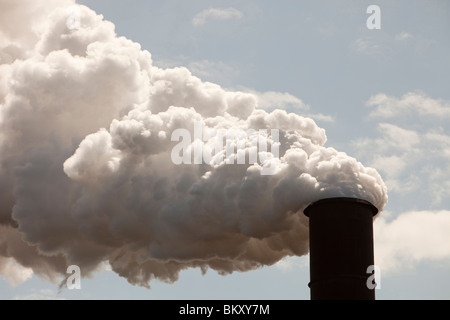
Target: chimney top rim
340 200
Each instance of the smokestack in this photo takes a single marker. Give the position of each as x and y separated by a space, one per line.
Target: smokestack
341 248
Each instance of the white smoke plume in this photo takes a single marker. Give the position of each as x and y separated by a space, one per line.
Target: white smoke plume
85 159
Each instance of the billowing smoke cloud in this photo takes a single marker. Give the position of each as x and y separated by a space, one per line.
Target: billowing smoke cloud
86 174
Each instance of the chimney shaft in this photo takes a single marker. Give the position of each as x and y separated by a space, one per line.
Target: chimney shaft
341 248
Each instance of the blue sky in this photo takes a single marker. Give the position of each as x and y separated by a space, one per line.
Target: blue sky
381 95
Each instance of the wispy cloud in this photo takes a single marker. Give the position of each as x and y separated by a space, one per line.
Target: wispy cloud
207 70
366 46
388 107
43 294
212 69
216 14
412 147
412 237
271 100
403 36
